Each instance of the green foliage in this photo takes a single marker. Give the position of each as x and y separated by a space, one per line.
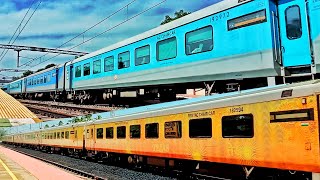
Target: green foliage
2 132
46 126
49 66
15 78
178 14
60 123
27 73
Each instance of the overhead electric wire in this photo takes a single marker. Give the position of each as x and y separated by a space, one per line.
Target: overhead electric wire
23 28
18 26
108 17
128 19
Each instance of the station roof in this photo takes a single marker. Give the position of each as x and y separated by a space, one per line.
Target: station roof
13 113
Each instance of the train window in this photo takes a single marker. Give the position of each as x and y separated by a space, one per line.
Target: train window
292 115
152 130
109 133
124 60
247 20
135 131
200 40
76 134
100 133
200 128
237 126
173 129
53 74
142 55
54 135
167 49
121 132
97 66
62 135
41 79
67 134
48 78
34 81
108 64
44 79
38 81
86 69
293 22
58 135
78 71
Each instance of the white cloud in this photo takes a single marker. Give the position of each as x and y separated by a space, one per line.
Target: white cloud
57 21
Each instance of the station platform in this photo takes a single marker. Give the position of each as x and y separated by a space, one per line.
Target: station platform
13 113
16 166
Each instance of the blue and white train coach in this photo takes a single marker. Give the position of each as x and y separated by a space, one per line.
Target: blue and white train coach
252 43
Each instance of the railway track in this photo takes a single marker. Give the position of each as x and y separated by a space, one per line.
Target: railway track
49 109
95 170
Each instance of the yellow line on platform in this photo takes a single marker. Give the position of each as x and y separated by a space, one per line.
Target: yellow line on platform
8 170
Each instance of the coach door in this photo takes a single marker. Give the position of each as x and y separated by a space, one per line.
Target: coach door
295 36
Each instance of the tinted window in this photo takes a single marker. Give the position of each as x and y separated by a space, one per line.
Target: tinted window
62 135
108 63
200 128
99 133
96 66
173 129
58 135
247 20
121 132
75 134
199 41
109 133
152 130
45 79
142 55
293 22
78 71
67 134
167 49
86 69
124 60
238 126
135 131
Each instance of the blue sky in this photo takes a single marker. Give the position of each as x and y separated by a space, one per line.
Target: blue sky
57 21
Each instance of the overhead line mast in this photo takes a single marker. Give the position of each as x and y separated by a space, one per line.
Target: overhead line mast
40 49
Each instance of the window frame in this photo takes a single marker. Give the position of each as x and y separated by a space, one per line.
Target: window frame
99 137
250 24
185 40
112 128
179 129
157 48
201 137
238 137
88 63
104 60
146 131
135 55
122 61
286 21
75 72
93 69
125 132
131 137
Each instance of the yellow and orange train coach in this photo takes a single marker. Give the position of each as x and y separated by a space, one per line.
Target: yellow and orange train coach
267 132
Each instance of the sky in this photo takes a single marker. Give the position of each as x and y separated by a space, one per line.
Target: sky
57 21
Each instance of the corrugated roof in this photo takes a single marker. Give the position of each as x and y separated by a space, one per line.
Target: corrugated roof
13 113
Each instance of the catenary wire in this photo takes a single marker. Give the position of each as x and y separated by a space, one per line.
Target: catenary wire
107 30
108 17
22 29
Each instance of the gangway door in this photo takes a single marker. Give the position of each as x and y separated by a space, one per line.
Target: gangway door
295 35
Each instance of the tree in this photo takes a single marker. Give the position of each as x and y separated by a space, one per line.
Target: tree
27 73
46 126
15 78
178 14
49 66
2 132
60 123
40 69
